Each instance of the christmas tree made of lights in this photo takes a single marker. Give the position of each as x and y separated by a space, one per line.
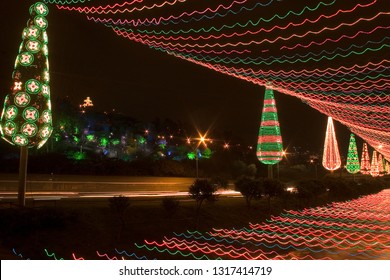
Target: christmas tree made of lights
26 119
374 165
331 157
381 166
365 165
269 146
352 165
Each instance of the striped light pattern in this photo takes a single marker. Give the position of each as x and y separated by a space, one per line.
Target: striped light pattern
365 165
356 229
374 165
352 165
269 144
331 157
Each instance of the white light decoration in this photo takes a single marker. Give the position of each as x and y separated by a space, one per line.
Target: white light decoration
331 158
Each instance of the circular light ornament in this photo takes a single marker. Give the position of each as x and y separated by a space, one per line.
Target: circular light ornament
22 99
26 59
41 22
29 129
40 9
20 140
30 114
33 86
31 32
10 128
11 112
45 131
33 46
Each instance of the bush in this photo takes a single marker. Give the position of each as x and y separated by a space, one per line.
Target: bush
249 188
170 205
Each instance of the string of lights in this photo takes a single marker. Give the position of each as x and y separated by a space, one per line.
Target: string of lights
356 229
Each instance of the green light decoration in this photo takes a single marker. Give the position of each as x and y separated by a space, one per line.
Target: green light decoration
191 155
269 145
26 120
141 140
207 153
353 165
90 137
365 165
331 157
103 142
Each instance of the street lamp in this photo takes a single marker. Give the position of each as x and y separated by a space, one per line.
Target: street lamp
284 153
201 140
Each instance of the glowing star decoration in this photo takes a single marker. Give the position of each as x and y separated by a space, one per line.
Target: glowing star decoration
87 102
365 165
374 165
353 165
331 158
27 118
269 144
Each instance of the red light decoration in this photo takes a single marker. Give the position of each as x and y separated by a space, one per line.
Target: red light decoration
331 158
365 165
269 144
356 229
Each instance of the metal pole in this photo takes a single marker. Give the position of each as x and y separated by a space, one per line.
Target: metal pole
22 176
197 164
270 169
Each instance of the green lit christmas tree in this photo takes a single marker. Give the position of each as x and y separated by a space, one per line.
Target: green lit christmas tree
269 145
26 119
353 165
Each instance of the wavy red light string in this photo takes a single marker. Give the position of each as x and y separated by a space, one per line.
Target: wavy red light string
352 87
354 229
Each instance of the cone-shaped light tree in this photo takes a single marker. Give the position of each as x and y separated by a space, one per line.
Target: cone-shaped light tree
365 165
353 165
331 158
26 119
374 165
269 145
381 167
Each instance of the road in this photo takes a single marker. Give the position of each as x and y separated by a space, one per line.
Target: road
47 186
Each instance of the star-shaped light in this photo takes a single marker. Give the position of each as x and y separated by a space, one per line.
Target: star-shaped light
33 86
40 22
31 114
22 99
18 85
41 9
29 129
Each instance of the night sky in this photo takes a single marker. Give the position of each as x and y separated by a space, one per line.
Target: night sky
87 59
